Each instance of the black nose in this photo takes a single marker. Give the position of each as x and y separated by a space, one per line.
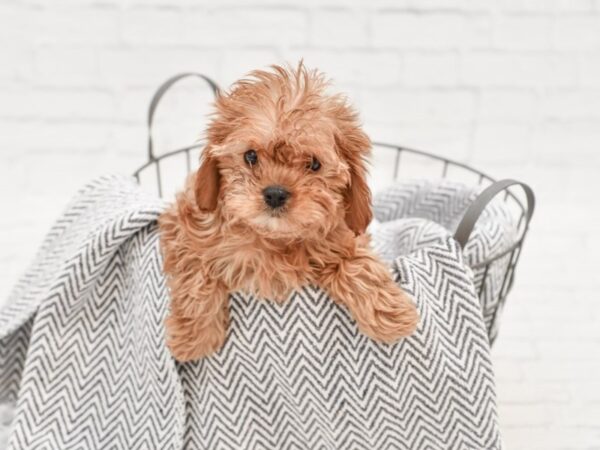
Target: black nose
275 196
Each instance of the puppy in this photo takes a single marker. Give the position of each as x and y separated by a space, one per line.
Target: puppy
280 201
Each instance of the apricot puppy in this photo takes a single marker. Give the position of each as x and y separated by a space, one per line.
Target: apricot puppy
280 201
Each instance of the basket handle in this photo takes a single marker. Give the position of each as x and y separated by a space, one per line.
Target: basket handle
158 95
467 223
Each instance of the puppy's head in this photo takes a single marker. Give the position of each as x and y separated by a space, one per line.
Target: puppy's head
285 158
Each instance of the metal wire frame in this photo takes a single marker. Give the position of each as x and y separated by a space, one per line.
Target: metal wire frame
155 161
482 177
525 210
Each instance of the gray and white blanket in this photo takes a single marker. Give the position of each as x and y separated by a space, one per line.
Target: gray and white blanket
82 350
444 202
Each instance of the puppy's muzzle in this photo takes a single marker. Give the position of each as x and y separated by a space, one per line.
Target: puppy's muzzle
275 196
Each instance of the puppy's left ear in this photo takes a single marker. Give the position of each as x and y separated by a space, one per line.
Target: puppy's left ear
206 185
354 145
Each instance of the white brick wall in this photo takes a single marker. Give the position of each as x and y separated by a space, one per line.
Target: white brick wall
512 86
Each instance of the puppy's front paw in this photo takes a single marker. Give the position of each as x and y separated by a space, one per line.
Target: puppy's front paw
389 315
190 339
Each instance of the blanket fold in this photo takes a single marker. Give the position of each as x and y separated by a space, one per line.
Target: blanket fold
82 351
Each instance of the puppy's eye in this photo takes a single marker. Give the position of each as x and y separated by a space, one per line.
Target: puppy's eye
251 157
314 164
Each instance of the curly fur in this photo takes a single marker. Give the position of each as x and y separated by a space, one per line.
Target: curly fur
219 236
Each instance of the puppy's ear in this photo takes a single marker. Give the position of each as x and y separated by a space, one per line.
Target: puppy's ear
206 186
355 146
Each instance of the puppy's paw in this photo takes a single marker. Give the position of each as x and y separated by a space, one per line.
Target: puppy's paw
389 315
190 339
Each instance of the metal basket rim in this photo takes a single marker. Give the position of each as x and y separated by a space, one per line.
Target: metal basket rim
398 148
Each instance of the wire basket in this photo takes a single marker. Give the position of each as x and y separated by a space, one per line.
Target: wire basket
498 269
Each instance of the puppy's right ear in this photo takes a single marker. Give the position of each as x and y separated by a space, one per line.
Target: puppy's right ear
206 187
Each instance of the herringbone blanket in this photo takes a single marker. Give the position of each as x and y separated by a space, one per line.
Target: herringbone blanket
444 202
82 351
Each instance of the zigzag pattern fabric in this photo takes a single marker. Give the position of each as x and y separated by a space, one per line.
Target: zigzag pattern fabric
82 351
444 202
